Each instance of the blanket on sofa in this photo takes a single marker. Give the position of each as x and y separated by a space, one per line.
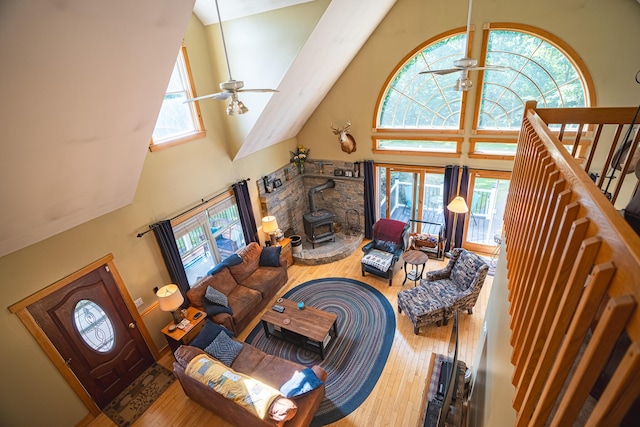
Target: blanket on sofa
245 391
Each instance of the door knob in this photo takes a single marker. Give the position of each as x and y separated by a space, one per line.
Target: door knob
132 325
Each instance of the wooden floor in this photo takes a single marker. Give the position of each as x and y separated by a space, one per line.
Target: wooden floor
394 401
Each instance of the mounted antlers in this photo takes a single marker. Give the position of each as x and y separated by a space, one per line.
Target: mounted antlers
347 142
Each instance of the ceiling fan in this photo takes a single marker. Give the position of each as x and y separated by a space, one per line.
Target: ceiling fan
465 64
231 87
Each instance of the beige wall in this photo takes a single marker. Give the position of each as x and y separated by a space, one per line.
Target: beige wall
172 180
604 33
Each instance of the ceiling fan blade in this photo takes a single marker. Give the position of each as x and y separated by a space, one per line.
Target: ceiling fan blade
488 67
219 96
441 72
257 90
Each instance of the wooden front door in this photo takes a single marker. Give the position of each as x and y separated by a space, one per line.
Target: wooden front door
89 324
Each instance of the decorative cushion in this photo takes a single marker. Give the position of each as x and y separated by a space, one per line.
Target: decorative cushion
209 332
282 409
270 256
378 259
301 383
231 260
212 308
224 349
216 296
385 246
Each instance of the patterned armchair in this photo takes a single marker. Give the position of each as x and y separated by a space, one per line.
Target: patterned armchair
385 249
442 292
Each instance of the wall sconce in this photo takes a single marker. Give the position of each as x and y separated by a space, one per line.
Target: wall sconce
170 299
269 227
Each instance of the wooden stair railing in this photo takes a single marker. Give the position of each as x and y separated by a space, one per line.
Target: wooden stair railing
602 130
574 282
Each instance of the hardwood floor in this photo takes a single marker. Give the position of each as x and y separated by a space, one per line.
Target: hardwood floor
396 398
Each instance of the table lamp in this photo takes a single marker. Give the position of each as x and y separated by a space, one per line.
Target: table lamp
457 206
170 299
269 227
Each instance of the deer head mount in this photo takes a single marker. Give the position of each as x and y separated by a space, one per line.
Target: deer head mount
347 142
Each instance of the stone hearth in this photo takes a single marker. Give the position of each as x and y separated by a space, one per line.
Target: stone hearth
327 252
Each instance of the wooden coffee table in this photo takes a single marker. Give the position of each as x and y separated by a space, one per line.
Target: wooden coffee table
310 328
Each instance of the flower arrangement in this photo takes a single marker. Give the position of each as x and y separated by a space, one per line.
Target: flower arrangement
300 156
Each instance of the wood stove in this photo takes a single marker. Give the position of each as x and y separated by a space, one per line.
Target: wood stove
318 224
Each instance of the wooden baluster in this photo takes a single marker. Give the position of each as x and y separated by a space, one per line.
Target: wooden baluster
615 316
580 324
566 308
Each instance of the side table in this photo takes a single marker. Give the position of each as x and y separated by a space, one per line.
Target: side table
416 258
286 250
179 337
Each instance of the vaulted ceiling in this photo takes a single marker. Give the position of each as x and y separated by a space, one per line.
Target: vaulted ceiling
83 83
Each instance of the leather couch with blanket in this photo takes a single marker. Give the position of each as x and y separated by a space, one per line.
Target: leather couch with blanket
280 394
235 291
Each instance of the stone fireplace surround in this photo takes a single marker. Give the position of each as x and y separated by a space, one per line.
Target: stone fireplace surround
289 202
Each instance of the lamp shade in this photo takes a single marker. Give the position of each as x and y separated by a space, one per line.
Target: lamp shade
458 205
269 224
169 298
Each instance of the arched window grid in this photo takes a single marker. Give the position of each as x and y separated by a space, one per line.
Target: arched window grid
554 96
426 104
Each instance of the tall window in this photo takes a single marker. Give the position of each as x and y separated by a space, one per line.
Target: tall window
424 113
178 121
208 235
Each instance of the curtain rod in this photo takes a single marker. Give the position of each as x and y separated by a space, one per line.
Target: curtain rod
202 202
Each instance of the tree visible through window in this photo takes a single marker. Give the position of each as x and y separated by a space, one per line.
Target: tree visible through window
535 70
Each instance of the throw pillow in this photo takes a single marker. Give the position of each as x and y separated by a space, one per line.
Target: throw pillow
282 409
270 256
216 297
212 308
385 246
209 332
224 349
301 383
230 261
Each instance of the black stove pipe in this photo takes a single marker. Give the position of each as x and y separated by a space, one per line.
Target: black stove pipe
312 202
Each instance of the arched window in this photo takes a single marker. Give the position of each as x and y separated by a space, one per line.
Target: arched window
424 113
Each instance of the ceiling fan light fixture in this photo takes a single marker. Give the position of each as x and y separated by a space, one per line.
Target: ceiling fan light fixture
236 107
463 84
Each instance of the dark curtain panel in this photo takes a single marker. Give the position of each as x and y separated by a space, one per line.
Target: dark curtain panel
464 189
247 219
369 199
449 192
167 242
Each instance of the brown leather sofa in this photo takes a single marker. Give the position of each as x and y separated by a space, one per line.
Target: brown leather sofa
270 370
248 286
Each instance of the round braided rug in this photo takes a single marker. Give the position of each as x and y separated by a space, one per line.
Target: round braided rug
356 358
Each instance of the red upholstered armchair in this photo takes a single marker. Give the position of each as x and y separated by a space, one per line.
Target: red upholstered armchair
385 249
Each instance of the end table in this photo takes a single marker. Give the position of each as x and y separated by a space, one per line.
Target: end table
179 337
415 258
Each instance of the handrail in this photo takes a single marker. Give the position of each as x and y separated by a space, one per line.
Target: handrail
573 268
586 130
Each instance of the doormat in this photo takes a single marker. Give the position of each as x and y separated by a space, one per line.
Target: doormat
138 397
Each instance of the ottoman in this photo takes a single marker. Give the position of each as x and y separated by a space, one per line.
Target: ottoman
422 306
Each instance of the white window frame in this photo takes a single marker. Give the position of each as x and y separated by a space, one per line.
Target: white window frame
196 129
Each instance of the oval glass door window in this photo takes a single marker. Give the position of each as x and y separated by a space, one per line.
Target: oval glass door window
94 325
